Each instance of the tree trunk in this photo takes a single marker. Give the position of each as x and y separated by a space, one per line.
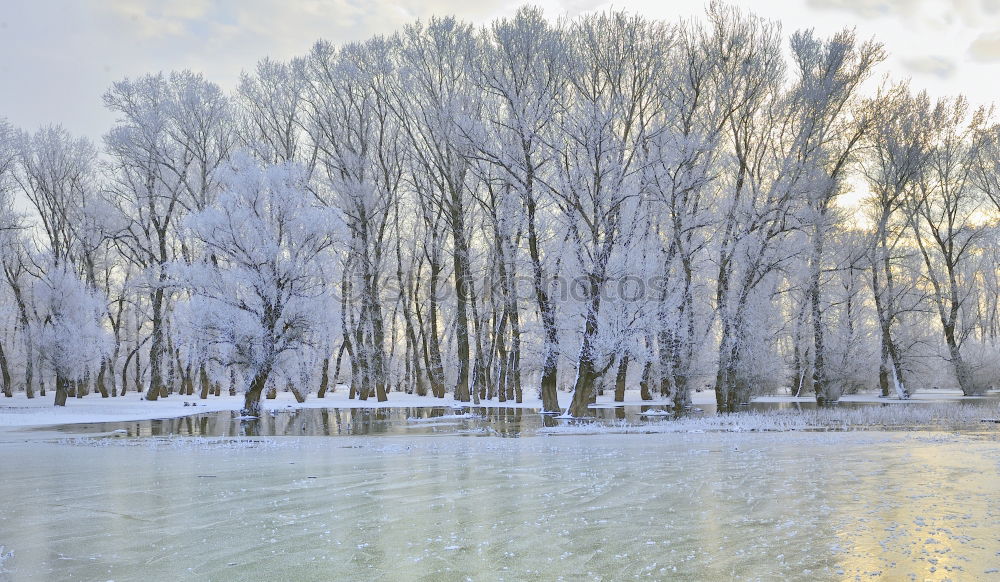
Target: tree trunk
646 382
300 395
503 360
189 380
620 379
156 387
406 293
29 346
251 400
324 380
345 346
8 390
61 390
550 349
433 339
514 375
204 382
460 257
680 390
962 372
587 371
377 370
99 384
723 384
824 390
587 368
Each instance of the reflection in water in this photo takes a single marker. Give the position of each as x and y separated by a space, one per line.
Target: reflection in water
469 420
483 421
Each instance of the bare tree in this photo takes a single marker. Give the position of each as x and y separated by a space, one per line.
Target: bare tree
170 139
603 134
897 151
270 103
433 97
834 123
944 212
522 71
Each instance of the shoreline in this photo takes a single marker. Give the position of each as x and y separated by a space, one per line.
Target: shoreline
20 412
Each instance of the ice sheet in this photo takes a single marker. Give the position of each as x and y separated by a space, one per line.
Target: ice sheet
791 506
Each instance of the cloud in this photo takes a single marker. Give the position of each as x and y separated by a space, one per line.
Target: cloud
157 20
967 13
986 47
869 8
936 65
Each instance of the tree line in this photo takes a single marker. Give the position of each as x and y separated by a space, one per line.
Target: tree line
583 205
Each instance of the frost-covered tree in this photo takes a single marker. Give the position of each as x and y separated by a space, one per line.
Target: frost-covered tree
258 292
269 107
945 212
10 227
896 154
56 173
522 75
829 74
432 100
71 339
684 152
603 134
171 136
760 196
360 173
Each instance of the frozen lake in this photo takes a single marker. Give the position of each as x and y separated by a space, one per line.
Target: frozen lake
713 506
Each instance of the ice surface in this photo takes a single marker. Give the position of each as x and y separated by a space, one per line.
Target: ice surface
714 506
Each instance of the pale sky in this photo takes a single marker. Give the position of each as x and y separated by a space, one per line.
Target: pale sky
57 57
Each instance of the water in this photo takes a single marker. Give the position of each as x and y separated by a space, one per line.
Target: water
471 420
777 506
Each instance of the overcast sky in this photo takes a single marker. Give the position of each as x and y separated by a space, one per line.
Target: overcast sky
58 56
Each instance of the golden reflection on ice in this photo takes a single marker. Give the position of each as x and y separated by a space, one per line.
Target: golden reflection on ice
926 513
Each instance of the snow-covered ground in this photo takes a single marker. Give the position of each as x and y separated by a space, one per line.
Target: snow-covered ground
983 416
944 395
38 411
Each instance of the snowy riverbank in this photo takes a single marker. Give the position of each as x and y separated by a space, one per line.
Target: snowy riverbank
930 415
38 411
22 412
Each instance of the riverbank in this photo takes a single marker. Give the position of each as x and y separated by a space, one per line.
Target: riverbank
20 411
932 408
